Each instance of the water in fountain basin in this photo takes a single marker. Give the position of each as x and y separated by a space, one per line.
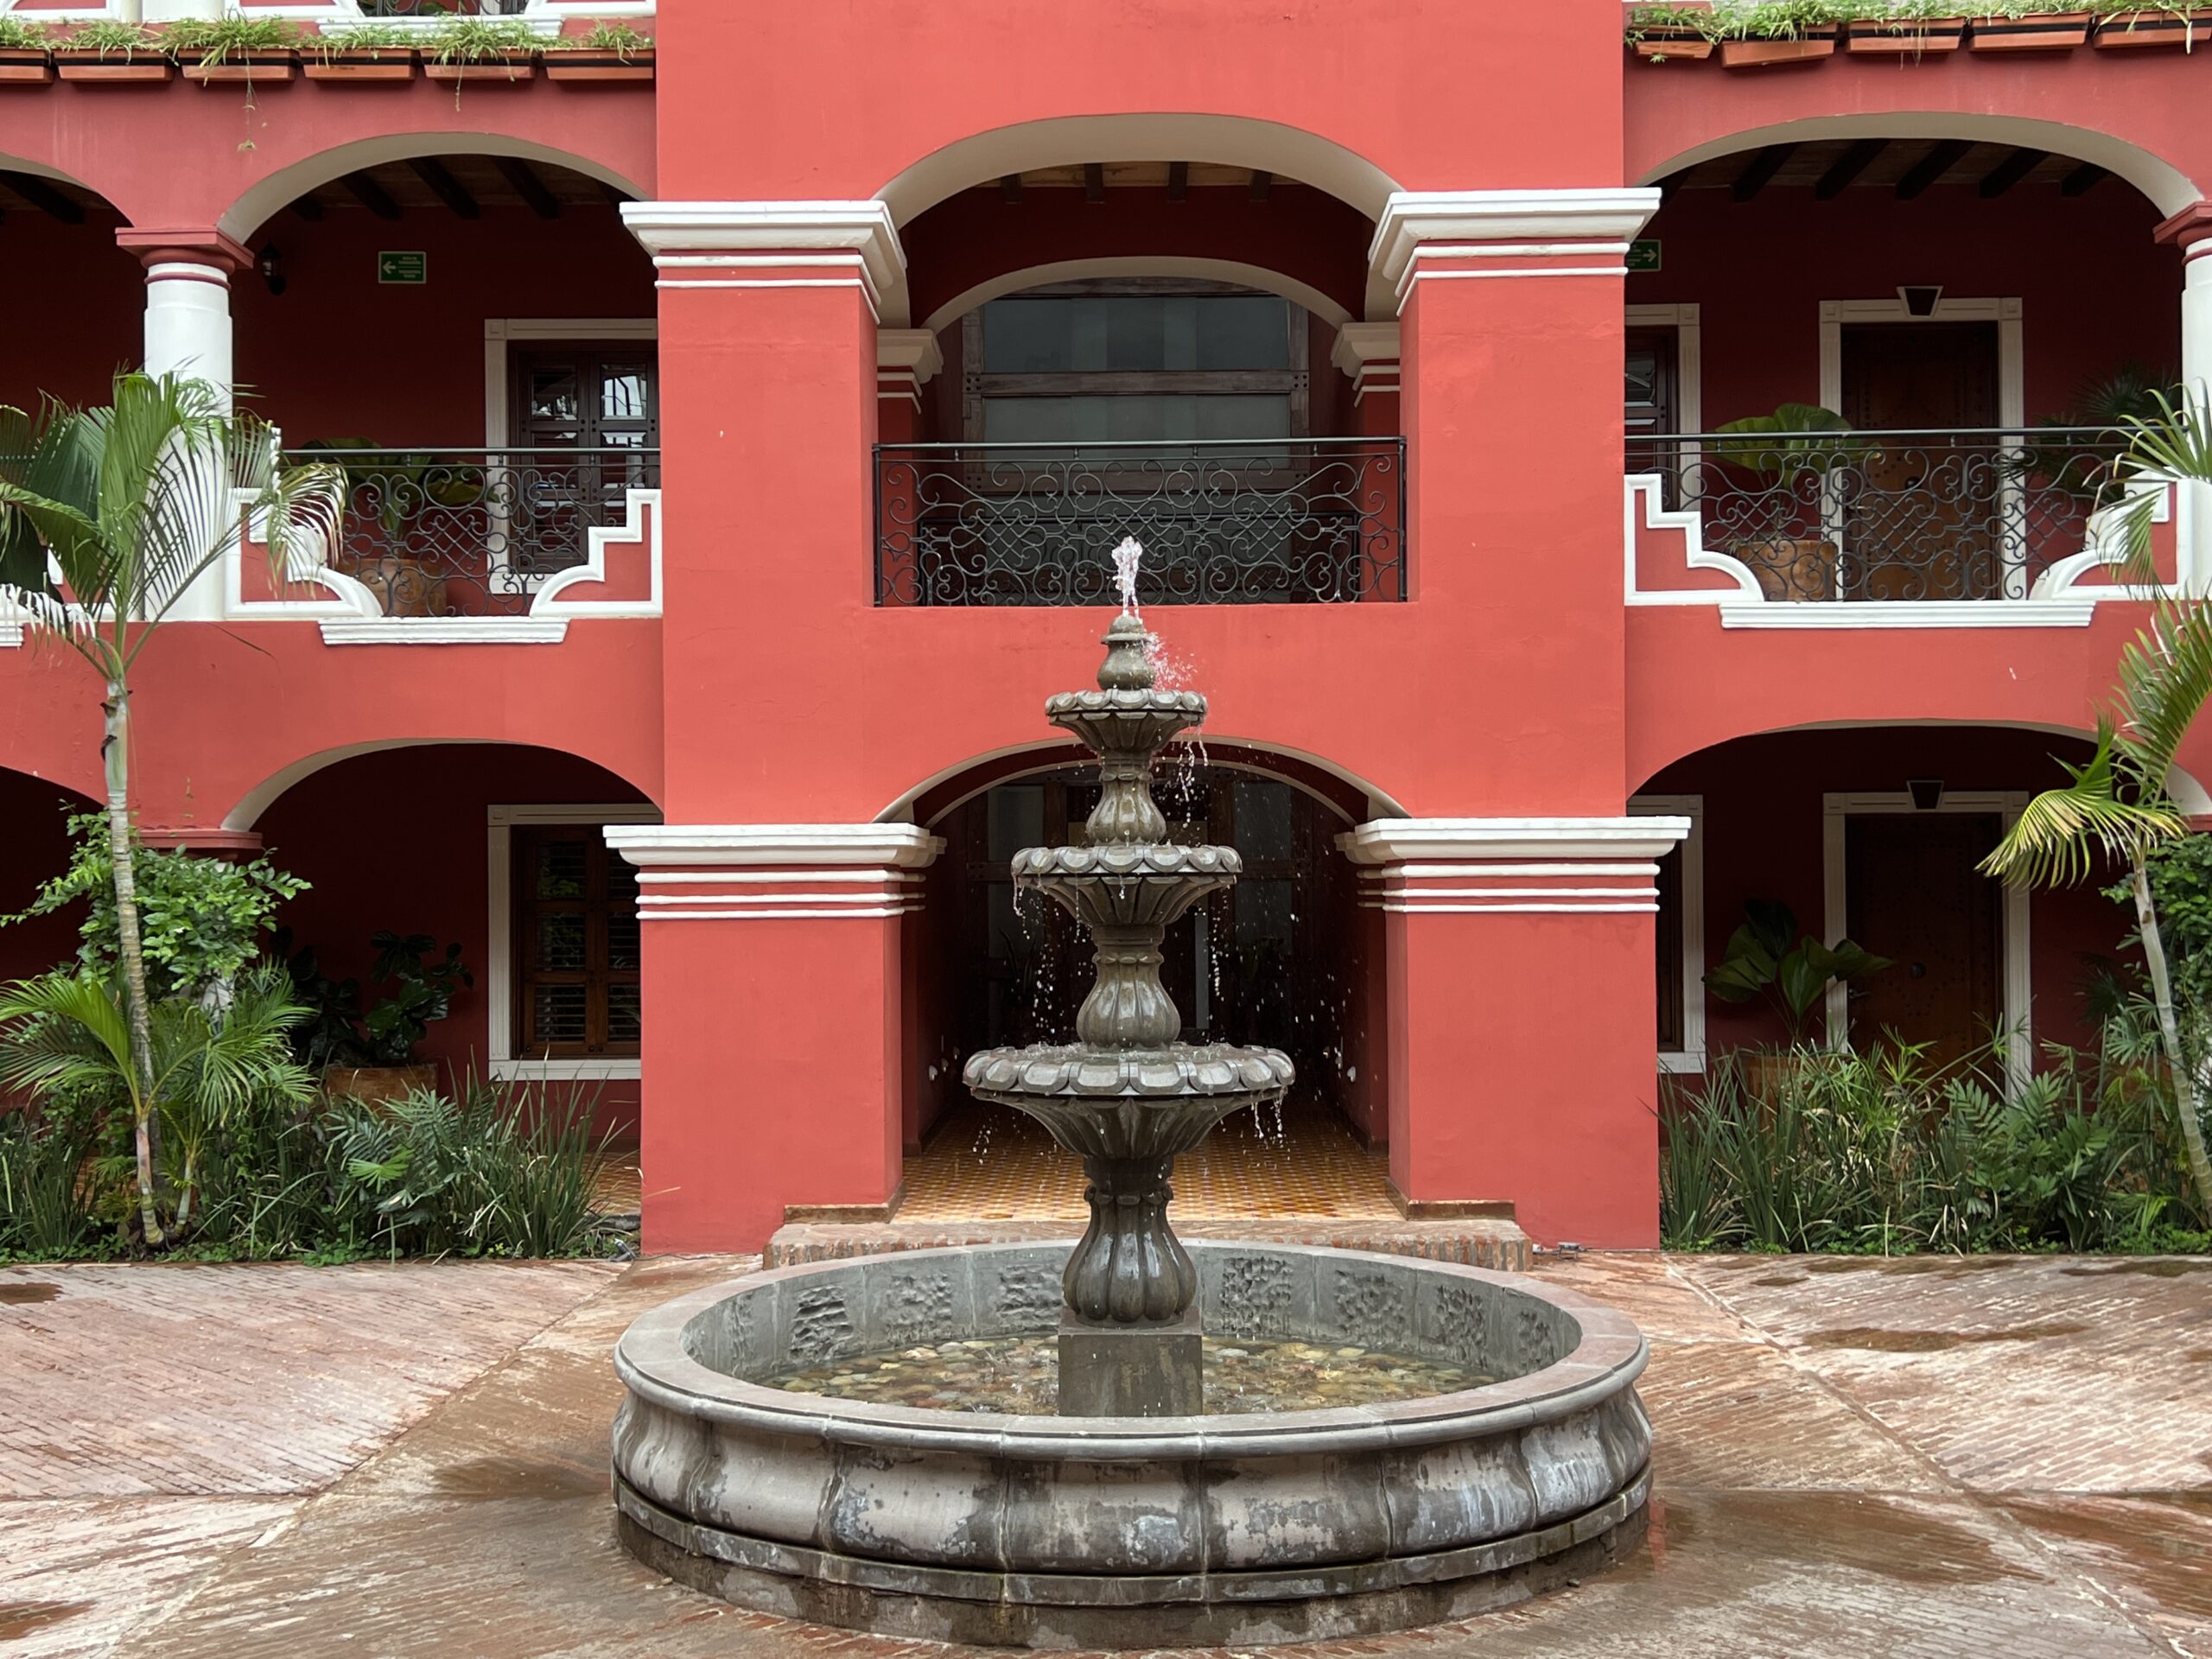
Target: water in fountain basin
1020 1375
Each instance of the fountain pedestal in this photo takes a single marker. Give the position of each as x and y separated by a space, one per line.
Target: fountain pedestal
1131 1371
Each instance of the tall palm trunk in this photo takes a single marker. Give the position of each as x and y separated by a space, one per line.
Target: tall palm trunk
115 756
2186 1094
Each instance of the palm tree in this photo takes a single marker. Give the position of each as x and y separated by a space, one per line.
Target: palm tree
66 1031
2117 802
107 517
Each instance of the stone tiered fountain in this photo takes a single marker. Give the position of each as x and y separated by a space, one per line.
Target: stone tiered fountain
1426 1441
1127 1097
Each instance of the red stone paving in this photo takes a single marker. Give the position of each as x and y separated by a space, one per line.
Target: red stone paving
1853 1458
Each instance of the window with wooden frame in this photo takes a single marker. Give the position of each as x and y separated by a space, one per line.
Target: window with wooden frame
575 941
1134 359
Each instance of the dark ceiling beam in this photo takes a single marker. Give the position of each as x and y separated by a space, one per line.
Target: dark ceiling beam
48 199
522 177
1848 167
2082 180
1010 187
1670 184
446 187
2008 173
1761 168
1178 181
1262 183
308 207
1094 181
1940 159
366 191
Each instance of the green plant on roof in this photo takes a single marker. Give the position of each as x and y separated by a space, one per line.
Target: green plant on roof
618 38
1787 20
110 39
373 39
1671 21
212 41
17 36
478 40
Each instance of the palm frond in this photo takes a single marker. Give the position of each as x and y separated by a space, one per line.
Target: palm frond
2055 841
2166 677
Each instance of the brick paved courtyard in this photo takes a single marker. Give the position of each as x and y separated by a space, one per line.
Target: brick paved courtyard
1919 1456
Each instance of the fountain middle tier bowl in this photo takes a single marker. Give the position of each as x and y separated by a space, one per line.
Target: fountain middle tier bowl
1128 884
1125 722
1128 1102
1122 1532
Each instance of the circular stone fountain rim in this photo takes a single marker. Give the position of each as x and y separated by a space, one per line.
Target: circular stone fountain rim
651 1361
1147 700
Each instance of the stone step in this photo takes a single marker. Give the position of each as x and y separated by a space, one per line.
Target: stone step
1476 1241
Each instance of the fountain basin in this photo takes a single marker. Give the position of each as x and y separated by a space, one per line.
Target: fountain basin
1126 1532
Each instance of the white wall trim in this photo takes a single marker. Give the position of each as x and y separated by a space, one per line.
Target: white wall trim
1689 356
1645 496
679 231
2015 981
498 973
740 846
2071 610
641 526
445 631
2012 379
1406 841
1690 1057
1518 223
499 332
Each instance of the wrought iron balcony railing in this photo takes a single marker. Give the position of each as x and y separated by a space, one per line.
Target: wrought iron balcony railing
475 532
1892 515
1280 521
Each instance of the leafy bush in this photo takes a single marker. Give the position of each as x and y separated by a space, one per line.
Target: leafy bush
340 1031
199 919
46 1191
1885 1151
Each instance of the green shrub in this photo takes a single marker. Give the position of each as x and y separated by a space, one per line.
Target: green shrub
46 1194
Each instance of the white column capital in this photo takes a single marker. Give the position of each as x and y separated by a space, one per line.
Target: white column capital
771 244
1518 867
775 872
1368 351
905 361
1503 232
1402 841
798 846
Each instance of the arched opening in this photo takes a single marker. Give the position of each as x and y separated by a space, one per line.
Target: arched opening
1987 303
498 848
1873 833
91 295
1131 346
34 847
1287 959
498 399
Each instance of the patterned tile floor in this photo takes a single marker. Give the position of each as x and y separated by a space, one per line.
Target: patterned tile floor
991 1163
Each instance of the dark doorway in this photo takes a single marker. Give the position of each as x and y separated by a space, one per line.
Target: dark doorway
1912 893
1921 508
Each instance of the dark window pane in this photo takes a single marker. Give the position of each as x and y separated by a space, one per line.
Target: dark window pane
622 945
561 869
561 941
558 1013
553 395
623 1014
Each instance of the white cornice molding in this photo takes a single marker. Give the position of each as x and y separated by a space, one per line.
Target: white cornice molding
1521 222
912 352
676 233
1401 841
737 846
1360 344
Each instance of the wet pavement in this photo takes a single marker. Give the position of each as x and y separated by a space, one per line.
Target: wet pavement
1927 1456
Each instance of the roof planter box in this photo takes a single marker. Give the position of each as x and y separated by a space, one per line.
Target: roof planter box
96 67
2051 31
259 66
1911 37
361 63
591 63
2120 30
25 67
514 64
1818 41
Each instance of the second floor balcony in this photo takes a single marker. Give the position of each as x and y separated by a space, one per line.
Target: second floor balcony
1262 521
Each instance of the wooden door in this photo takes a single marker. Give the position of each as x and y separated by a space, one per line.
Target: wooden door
1912 893
601 401
1921 511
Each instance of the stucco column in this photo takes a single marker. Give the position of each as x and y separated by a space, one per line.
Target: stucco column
188 300
774 1028
774 999
2190 231
1522 1027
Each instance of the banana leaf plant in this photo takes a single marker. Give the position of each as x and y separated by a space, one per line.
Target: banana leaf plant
1767 960
1795 440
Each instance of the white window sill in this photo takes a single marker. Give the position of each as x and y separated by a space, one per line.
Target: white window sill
610 1070
2069 611
1682 1062
446 631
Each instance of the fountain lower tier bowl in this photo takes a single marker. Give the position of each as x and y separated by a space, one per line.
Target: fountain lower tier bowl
1111 1532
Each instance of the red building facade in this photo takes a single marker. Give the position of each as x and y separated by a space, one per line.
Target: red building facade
673 404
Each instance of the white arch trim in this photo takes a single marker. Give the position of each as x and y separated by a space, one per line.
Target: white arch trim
2163 182
1072 270
1053 756
255 208
41 169
264 795
1066 141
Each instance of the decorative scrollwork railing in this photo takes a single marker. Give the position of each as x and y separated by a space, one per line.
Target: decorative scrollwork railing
1892 516
1284 521
453 533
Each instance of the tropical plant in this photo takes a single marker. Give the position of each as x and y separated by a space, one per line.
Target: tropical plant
46 1206
199 919
479 39
67 1033
1788 443
340 1029
1767 960
107 517
2116 805
20 35
617 37
112 38
212 40
372 38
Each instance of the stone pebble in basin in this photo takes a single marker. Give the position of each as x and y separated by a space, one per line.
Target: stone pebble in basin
1048 1532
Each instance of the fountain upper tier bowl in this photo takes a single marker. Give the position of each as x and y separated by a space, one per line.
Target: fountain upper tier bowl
1124 1532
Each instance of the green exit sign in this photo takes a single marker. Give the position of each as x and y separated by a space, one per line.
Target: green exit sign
1642 256
413 268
